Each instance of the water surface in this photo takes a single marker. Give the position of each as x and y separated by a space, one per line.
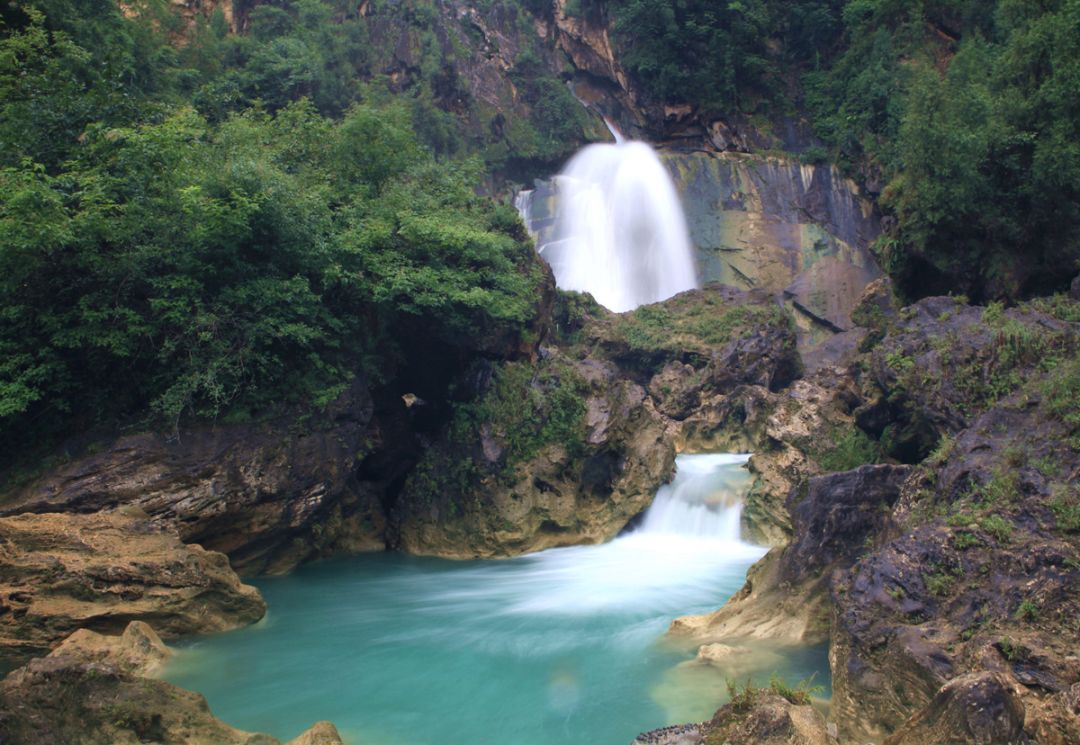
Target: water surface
561 646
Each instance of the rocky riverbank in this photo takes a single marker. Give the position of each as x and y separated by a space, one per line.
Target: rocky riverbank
943 577
95 690
946 581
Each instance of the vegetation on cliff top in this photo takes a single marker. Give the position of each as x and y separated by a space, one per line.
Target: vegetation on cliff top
965 111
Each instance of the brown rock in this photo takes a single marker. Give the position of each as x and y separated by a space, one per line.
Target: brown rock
836 515
249 491
565 493
65 699
320 733
974 709
139 650
765 609
764 718
62 572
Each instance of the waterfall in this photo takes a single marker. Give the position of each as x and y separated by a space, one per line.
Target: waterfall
689 536
704 500
619 232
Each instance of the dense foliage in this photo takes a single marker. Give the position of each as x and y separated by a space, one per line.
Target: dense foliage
164 256
197 221
970 111
964 110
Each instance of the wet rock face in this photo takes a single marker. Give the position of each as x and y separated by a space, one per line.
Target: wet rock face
799 232
780 226
62 572
836 516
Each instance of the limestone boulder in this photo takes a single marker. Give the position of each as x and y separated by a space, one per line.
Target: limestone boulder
765 718
139 650
63 572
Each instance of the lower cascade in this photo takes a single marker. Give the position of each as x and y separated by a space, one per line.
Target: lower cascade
620 233
561 646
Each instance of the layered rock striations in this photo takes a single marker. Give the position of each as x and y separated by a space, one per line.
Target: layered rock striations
269 494
63 572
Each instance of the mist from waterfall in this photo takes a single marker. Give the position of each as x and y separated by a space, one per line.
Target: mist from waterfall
619 232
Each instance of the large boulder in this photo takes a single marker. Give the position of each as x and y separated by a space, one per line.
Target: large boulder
767 718
139 650
565 453
62 572
836 515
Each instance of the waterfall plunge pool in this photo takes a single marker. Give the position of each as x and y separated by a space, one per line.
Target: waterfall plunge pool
562 646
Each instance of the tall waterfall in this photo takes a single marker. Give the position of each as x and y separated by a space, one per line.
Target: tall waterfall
619 230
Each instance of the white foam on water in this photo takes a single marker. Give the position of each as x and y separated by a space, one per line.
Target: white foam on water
688 537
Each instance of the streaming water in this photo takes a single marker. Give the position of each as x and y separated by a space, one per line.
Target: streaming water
560 646
619 230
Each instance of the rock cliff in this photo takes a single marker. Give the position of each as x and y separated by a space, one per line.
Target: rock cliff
947 586
569 451
801 232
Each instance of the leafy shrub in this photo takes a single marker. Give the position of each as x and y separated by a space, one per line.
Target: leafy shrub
851 448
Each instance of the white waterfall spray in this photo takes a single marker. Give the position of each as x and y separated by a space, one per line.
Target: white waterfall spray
704 500
619 231
688 537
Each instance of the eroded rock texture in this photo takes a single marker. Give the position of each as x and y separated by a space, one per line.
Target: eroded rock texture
569 451
947 585
62 572
268 494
